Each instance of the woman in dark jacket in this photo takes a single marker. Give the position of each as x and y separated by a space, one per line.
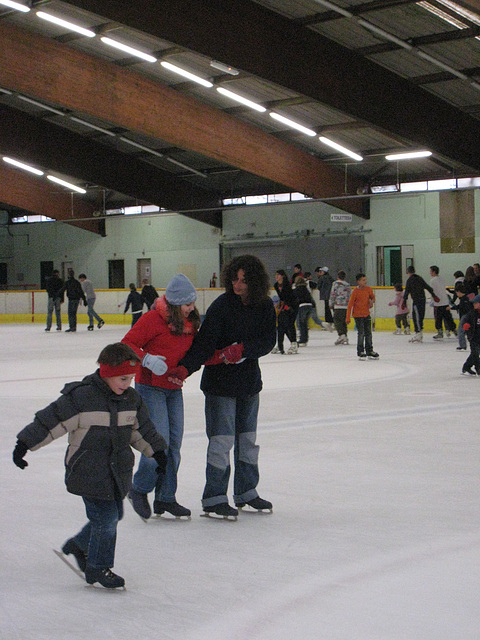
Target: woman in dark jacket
287 312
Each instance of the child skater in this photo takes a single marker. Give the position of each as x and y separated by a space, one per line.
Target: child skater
136 301
359 305
401 312
339 297
168 329
471 326
103 416
463 306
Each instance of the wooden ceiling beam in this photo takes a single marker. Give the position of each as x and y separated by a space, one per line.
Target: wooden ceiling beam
81 83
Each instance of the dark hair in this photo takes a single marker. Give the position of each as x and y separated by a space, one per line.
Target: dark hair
435 269
341 275
115 354
297 266
398 286
458 274
307 273
176 320
459 286
359 275
82 275
469 274
132 286
256 277
283 273
71 273
411 269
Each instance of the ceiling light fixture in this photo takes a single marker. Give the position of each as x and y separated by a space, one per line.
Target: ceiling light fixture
442 65
161 155
384 34
68 25
226 68
15 5
186 74
293 124
41 105
241 99
5 91
22 165
338 147
334 7
92 126
124 47
409 155
68 185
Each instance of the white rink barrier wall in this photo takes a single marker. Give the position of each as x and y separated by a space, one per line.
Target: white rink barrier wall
31 306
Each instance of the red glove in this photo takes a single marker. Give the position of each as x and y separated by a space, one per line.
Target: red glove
178 375
436 299
466 326
217 358
232 354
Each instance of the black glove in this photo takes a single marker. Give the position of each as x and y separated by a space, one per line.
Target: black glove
19 453
160 458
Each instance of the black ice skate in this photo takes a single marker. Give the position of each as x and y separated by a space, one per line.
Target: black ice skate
466 371
259 504
372 355
222 509
71 547
173 508
362 356
105 577
140 504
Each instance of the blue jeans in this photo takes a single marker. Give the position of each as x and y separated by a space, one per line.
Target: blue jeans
165 407
99 536
364 335
303 314
54 304
462 340
231 422
91 311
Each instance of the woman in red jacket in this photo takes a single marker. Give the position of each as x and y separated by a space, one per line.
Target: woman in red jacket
167 331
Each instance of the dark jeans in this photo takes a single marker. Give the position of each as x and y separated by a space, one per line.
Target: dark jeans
473 359
304 313
443 315
328 312
401 318
72 313
364 335
418 314
98 537
286 326
54 305
339 319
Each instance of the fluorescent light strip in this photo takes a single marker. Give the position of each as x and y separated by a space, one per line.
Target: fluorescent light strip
241 99
21 165
446 17
68 25
186 74
442 65
333 7
68 185
92 126
124 47
338 147
409 155
42 106
384 34
291 123
186 167
15 5
226 68
161 155
5 91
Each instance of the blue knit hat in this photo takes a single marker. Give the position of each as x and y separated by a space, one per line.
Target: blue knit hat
180 290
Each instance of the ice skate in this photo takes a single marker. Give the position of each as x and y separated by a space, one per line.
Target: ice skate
259 504
104 577
341 340
293 349
140 504
100 324
406 332
90 327
439 336
467 371
222 510
397 332
175 509
461 349
372 355
71 547
276 350
417 337
362 356
64 558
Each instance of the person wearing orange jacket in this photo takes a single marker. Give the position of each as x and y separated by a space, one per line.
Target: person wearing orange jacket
359 305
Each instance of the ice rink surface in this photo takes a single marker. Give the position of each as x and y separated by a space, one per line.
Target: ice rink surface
373 470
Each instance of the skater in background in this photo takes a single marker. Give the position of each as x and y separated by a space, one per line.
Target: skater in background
54 287
338 303
415 287
149 293
325 282
471 282
74 292
401 311
286 313
136 301
359 305
305 304
443 315
167 330
103 416
238 329
297 272
471 326
89 292
463 306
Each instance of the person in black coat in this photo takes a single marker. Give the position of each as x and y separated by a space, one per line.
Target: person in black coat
149 293
74 292
471 326
287 308
54 287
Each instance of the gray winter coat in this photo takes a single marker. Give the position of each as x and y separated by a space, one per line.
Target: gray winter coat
102 427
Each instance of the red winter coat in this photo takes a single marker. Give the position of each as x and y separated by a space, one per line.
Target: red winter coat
152 334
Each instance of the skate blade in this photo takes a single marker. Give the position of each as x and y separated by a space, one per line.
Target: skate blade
248 509
169 516
100 587
145 520
70 565
215 516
